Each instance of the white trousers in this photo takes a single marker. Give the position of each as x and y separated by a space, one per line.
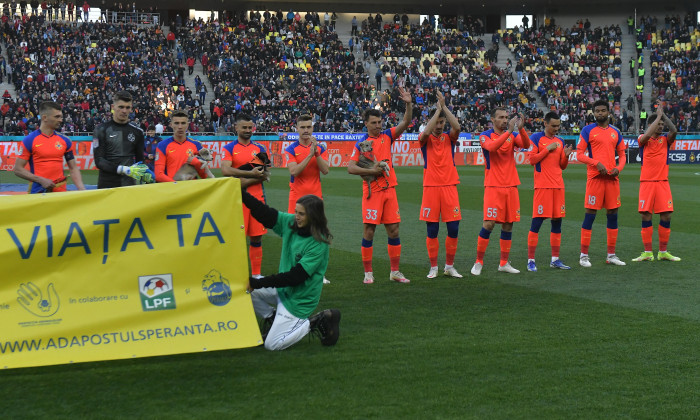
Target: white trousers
287 329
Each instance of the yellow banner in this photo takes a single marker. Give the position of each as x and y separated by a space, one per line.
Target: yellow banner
127 272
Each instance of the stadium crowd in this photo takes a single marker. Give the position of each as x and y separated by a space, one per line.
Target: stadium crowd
274 65
675 67
449 61
82 65
274 68
569 68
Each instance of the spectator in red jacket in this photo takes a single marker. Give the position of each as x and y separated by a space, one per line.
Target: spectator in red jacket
171 40
190 65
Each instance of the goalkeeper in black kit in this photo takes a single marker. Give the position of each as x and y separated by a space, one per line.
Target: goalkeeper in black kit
118 148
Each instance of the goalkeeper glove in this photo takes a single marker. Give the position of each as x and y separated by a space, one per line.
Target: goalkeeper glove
148 177
138 171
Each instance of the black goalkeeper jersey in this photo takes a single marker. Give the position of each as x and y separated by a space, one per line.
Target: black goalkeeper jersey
115 144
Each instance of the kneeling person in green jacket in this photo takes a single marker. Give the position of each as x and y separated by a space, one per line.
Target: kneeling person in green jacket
286 300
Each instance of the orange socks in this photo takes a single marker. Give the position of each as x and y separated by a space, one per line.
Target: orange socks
664 235
532 239
255 253
555 242
585 240
367 257
481 245
647 234
450 250
433 247
394 256
612 240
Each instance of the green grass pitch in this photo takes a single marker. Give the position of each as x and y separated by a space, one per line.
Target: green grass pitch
604 342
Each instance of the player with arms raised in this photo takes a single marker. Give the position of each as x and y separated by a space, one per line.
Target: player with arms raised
383 206
550 158
654 189
602 142
440 179
501 200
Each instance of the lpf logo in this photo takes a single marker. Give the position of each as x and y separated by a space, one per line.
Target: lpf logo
156 292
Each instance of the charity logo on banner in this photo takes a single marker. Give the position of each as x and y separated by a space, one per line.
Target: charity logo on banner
105 274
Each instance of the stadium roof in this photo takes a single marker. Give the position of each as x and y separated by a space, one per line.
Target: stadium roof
447 7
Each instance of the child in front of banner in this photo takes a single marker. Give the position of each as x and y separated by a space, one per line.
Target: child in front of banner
286 300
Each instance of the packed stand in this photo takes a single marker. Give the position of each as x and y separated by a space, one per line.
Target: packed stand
674 54
451 61
81 65
273 66
569 68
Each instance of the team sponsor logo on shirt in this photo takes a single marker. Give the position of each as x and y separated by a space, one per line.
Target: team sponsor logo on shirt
157 292
217 288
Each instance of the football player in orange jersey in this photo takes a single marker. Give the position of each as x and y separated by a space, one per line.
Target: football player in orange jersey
236 154
383 206
178 150
600 144
654 189
44 150
501 199
440 179
549 158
